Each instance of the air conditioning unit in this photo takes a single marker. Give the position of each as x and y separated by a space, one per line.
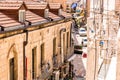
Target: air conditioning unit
46 13
60 12
22 16
56 75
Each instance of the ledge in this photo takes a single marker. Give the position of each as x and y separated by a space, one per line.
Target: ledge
22 29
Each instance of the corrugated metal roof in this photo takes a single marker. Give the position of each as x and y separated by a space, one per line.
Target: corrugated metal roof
36 5
55 5
9 18
8 23
34 18
10 4
66 15
54 17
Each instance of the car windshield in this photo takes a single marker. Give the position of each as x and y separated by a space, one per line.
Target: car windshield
82 30
85 39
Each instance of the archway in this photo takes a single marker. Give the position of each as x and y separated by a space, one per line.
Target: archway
12 57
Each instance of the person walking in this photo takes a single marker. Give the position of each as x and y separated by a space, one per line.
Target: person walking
82 43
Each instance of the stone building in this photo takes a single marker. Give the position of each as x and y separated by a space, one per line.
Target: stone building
103 41
35 41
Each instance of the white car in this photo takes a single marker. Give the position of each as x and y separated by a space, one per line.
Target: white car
82 32
84 41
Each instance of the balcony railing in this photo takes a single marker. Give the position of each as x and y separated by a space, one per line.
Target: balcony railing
55 62
45 73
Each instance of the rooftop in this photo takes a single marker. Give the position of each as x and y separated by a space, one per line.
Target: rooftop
35 5
10 4
55 5
34 14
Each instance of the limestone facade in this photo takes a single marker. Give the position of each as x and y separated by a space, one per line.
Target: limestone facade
102 26
27 53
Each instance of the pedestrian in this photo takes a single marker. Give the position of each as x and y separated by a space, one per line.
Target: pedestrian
73 74
82 43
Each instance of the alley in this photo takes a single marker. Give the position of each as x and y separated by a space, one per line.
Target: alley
79 67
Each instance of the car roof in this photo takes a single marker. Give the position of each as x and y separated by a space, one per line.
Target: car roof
84 38
81 28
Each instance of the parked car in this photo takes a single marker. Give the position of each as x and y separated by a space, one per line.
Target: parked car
84 41
78 49
82 32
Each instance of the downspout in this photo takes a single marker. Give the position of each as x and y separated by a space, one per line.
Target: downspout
22 19
24 56
61 45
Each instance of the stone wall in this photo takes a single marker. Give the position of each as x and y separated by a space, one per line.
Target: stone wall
12 46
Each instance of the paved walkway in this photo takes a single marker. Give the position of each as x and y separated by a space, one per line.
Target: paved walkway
79 68
112 69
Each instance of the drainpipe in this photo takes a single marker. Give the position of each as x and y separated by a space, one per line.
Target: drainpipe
24 56
61 44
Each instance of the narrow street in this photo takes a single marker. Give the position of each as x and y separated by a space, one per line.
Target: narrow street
77 60
79 67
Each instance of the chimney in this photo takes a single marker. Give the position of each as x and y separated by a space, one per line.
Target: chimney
22 16
59 12
46 13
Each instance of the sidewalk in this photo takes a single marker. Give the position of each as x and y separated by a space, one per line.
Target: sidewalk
84 60
79 68
112 69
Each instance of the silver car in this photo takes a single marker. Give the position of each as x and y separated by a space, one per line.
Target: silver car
82 32
84 41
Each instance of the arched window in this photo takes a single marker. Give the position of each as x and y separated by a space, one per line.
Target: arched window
13 63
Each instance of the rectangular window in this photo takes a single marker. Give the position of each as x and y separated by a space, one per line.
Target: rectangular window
34 63
42 54
12 72
64 43
72 25
67 39
54 46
